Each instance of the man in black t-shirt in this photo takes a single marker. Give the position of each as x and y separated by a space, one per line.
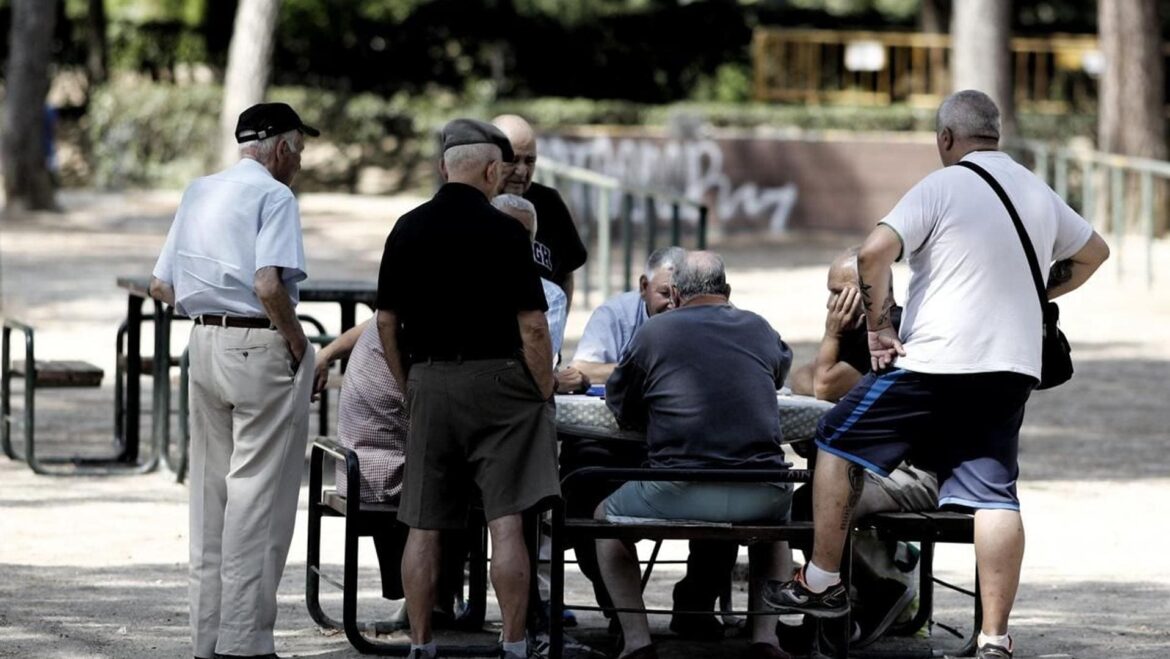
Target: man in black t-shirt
557 249
477 376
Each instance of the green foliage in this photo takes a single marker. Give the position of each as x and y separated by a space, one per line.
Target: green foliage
731 83
145 134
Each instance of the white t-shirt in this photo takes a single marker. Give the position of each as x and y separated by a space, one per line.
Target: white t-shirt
557 315
972 305
228 226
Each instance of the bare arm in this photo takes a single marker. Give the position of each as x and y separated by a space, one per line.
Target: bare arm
1083 264
595 371
832 378
160 290
537 349
273 295
338 348
388 333
877 254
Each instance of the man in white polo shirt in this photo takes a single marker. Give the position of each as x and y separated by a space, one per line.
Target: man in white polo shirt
967 358
231 262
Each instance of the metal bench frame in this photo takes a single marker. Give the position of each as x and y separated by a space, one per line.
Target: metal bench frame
360 520
117 463
794 532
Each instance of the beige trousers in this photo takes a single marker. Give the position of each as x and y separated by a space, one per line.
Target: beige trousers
249 427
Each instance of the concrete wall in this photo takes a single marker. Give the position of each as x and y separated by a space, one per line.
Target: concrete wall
758 183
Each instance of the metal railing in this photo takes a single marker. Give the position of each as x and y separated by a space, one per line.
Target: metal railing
602 203
1118 194
879 68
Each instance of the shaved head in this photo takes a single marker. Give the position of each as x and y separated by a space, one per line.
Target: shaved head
843 271
518 176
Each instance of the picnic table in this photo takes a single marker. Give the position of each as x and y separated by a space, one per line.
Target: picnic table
346 293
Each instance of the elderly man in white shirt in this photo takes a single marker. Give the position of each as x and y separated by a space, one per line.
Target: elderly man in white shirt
231 262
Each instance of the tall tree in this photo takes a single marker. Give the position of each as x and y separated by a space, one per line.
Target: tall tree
1130 116
249 66
27 184
981 55
96 43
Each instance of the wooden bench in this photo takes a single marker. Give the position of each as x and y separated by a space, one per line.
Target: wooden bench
44 374
363 519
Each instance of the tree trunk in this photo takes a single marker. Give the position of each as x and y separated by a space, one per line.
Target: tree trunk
981 53
1130 115
248 68
1131 98
27 184
96 44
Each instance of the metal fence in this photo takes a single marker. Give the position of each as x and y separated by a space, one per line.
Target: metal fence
1118 194
1051 74
613 215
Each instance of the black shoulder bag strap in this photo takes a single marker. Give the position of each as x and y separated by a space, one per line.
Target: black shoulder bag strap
1029 251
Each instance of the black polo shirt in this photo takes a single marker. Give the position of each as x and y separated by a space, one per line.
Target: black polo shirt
558 249
456 271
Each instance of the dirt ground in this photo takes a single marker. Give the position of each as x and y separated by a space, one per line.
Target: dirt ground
95 567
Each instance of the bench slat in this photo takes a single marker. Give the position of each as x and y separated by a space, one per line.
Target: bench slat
334 500
57 374
675 530
928 526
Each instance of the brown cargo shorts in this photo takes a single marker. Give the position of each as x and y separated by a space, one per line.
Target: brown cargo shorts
476 426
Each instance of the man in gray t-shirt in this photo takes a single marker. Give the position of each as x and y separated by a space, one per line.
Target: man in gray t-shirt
613 325
701 381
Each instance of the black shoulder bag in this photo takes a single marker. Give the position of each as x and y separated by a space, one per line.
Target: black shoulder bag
1056 362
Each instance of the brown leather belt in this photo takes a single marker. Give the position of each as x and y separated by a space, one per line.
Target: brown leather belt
233 321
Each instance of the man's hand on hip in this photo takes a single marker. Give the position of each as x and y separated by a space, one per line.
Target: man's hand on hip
884 348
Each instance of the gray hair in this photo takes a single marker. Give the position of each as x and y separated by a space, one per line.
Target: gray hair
515 202
261 150
667 258
466 155
700 273
969 114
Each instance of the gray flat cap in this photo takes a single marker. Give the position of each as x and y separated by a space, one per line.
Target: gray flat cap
458 132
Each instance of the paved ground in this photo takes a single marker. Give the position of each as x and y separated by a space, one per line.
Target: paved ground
94 567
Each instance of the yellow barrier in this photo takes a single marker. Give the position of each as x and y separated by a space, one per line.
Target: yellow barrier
1052 74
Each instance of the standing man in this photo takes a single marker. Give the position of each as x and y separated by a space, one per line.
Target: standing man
231 262
971 332
477 390
557 249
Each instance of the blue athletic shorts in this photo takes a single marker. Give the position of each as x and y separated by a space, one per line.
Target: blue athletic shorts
965 428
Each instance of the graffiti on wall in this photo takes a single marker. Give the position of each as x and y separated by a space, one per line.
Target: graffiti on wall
691 168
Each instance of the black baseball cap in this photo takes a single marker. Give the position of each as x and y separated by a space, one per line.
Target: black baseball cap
459 132
264 120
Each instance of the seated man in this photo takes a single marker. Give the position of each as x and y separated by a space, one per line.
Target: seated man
372 421
606 335
701 380
614 323
883 591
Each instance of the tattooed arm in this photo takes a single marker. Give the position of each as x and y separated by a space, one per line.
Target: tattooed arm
874 259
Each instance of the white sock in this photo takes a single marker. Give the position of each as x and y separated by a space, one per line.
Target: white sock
817 579
429 650
1003 641
518 648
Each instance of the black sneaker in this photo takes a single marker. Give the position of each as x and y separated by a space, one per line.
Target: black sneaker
991 651
795 597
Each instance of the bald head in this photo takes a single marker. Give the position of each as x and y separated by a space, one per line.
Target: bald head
518 173
843 271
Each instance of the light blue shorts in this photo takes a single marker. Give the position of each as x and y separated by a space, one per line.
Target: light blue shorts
704 502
